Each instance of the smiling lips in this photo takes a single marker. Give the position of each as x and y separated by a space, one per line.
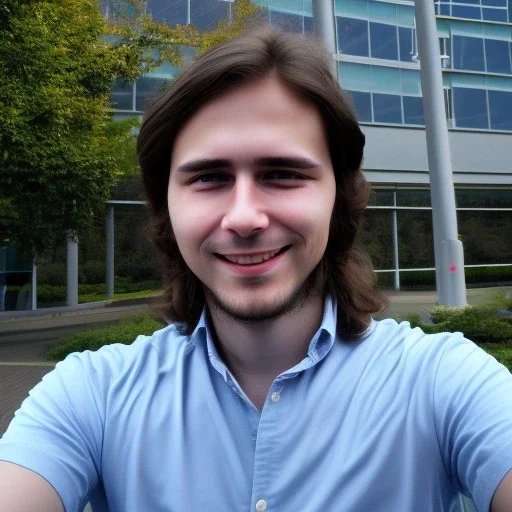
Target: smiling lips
251 259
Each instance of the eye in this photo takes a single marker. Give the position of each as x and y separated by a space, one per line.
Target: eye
283 175
210 177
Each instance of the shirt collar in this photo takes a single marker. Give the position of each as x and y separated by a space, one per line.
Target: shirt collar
319 346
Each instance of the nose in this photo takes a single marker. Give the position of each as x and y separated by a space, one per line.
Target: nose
245 214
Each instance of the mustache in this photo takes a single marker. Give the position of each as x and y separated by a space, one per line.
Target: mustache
253 242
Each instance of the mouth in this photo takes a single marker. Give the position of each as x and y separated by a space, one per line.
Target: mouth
252 259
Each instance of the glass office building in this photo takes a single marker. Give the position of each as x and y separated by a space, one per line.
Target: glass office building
378 64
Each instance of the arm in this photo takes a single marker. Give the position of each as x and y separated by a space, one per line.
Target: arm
502 499
23 490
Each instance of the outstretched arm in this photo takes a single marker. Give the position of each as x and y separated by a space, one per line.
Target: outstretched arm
23 490
502 499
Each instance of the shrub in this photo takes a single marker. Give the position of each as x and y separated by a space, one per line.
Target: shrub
92 272
125 331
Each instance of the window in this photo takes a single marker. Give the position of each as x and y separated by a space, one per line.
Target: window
286 22
445 50
500 110
384 41
468 53
406 39
121 95
308 25
448 103
387 108
413 110
164 11
494 14
466 11
497 54
206 14
470 108
352 36
363 105
148 89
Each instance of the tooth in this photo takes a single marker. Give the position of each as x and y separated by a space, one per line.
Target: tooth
266 256
257 259
244 260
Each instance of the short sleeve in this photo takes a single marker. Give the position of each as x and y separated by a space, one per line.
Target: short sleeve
473 414
57 432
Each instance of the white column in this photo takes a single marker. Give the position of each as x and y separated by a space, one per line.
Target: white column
110 252
72 271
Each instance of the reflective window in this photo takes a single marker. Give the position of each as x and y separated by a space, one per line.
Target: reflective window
494 14
406 43
287 22
495 3
148 89
173 13
363 105
387 108
444 10
470 108
413 110
500 110
121 95
352 36
384 43
206 14
468 53
497 54
466 11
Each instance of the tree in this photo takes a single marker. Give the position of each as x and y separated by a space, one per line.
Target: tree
60 154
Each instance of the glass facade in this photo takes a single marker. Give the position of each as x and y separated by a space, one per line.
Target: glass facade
378 62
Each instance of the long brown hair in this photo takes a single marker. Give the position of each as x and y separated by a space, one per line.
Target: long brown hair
303 65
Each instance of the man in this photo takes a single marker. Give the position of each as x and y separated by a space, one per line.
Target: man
272 389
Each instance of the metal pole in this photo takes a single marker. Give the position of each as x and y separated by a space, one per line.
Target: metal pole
449 255
110 252
323 18
395 244
188 12
72 271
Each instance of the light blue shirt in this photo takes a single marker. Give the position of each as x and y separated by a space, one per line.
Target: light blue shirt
396 421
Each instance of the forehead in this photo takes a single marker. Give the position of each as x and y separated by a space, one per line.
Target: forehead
263 114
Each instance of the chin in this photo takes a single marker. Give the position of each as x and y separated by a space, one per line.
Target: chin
258 309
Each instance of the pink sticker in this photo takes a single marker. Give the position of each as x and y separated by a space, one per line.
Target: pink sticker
453 268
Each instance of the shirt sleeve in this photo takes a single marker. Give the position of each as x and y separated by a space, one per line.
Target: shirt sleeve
57 432
473 414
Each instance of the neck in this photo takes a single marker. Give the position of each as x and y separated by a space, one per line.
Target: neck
257 352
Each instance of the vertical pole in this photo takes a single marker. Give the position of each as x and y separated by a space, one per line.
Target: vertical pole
395 244
72 270
188 12
323 19
34 286
449 255
110 252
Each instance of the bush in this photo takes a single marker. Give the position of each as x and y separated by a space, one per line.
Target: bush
125 331
479 324
92 272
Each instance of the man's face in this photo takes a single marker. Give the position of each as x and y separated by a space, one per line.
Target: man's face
251 193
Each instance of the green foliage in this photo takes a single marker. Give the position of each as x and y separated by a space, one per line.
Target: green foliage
125 331
480 324
502 352
57 155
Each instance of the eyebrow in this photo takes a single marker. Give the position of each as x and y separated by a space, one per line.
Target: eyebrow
209 164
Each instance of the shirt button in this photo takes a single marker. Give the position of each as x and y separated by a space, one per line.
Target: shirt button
275 397
261 506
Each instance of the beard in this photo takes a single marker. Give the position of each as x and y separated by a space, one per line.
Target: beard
289 303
